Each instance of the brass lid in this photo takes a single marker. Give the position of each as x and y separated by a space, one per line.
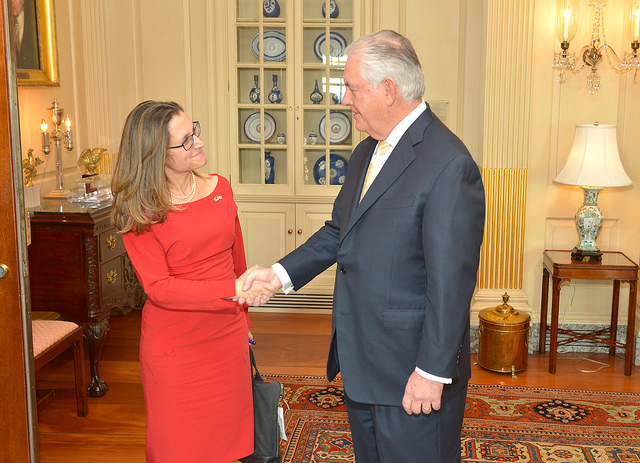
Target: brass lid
503 314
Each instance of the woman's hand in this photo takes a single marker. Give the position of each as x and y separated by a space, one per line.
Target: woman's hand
258 293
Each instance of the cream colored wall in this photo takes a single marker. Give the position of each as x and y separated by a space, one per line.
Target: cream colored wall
116 53
556 109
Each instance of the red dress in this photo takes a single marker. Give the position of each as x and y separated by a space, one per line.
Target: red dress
194 354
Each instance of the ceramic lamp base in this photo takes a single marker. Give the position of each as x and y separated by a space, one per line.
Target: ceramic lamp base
589 220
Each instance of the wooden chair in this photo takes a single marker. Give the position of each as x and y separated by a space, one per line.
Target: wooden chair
50 339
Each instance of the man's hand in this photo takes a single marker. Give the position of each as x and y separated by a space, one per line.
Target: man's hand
257 285
253 290
421 395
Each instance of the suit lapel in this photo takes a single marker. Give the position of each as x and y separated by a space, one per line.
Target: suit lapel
401 157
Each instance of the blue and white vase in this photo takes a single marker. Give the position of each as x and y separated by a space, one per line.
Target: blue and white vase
316 95
269 171
254 93
334 11
313 138
335 98
275 95
271 9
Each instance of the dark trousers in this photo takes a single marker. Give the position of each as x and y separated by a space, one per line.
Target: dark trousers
386 434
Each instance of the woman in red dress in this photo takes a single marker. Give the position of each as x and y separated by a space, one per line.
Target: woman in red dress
182 234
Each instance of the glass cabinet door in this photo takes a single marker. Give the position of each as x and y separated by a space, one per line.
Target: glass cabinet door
293 135
326 125
262 97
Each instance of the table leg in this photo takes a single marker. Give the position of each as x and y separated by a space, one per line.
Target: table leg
555 309
615 303
544 306
95 334
631 328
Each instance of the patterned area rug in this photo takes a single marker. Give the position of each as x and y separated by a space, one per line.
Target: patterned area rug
502 424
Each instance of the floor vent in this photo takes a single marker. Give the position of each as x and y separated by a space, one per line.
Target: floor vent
307 302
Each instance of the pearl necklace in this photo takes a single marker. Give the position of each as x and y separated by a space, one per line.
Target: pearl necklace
186 199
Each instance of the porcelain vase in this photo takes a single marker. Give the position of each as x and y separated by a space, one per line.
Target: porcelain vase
275 95
271 9
316 95
334 11
254 93
269 171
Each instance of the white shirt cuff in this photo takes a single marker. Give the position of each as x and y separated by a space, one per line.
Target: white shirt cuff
426 375
287 286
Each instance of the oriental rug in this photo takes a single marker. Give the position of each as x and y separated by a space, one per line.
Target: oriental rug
502 424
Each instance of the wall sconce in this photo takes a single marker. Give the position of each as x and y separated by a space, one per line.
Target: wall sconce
58 136
591 55
593 164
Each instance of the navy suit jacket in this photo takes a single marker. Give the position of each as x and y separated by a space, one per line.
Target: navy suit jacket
407 258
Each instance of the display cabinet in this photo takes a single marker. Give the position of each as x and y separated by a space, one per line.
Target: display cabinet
291 136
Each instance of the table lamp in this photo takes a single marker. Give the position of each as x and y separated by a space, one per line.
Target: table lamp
593 164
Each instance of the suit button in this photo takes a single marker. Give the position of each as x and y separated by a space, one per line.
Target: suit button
343 270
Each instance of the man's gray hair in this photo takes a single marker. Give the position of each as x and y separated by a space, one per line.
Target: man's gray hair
388 54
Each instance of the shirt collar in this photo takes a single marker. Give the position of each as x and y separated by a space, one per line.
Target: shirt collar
399 130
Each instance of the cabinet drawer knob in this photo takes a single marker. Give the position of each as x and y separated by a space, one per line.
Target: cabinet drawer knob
299 231
111 241
290 231
112 277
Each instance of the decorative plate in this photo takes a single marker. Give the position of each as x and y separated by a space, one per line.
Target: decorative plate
337 45
252 127
339 127
275 46
337 170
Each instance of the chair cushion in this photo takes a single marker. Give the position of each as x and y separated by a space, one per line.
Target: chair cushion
47 332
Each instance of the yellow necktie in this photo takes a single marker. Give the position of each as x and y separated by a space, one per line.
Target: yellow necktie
374 166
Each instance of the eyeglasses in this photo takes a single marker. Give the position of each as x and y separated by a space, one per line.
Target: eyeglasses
188 142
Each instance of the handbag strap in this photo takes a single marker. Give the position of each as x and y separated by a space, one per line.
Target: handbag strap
256 375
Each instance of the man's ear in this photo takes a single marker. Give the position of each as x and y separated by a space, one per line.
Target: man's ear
390 90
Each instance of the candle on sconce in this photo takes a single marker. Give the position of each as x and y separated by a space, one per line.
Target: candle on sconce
46 143
567 15
636 24
69 141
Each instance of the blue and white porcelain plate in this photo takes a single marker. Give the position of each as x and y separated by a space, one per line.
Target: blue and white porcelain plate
252 127
339 127
275 46
337 170
337 45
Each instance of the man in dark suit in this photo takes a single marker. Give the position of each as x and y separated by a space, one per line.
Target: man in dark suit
407 252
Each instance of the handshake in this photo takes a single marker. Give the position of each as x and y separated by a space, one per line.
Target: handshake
257 285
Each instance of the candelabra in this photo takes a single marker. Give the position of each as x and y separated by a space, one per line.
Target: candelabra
58 136
592 54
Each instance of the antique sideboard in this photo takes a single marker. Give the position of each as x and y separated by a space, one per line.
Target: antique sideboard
78 268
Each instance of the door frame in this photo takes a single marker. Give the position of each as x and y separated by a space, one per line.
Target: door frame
18 412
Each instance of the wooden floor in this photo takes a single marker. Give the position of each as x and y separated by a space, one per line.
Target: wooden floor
296 344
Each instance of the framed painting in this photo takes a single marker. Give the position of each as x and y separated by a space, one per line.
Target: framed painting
35 42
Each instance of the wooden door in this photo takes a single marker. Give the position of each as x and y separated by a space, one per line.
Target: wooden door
17 418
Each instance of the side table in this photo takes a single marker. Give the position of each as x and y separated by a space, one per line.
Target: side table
615 266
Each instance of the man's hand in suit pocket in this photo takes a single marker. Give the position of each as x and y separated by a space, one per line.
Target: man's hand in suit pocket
421 395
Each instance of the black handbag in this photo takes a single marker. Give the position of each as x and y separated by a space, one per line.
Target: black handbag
266 400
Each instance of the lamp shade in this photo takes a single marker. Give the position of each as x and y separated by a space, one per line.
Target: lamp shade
594 159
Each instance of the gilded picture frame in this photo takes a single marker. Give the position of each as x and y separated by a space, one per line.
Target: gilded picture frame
43 70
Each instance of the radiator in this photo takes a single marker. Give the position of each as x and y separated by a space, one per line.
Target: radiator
306 302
